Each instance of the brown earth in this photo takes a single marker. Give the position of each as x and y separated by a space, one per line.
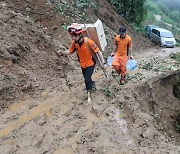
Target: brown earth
42 98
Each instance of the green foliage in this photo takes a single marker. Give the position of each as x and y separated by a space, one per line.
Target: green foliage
64 25
148 66
85 4
152 7
64 9
137 12
177 42
69 10
28 11
107 91
157 66
175 56
137 28
132 10
163 7
175 15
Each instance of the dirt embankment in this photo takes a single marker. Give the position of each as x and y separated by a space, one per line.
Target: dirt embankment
31 32
28 58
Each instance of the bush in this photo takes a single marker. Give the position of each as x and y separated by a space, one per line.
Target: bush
152 7
85 4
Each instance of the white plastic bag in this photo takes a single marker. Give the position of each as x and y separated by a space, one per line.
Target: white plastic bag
110 60
131 64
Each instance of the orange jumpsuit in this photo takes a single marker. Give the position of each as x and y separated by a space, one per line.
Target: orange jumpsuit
121 55
83 52
86 60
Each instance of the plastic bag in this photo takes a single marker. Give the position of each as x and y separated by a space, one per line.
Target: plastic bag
131 64
110 60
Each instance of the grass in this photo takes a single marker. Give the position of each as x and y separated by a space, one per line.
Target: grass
175 56
107 91
74 9
156 65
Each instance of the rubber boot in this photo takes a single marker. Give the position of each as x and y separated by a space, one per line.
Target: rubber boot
122 79
89 95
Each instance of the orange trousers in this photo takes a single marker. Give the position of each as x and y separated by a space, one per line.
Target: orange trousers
119 64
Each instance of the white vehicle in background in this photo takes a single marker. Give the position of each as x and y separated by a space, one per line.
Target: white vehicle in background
148 30
162 37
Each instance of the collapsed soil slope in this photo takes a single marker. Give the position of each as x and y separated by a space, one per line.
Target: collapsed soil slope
31 33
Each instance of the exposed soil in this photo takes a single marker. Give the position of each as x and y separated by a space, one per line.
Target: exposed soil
43 106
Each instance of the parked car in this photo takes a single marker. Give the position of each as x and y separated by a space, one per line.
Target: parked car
148 30
162 37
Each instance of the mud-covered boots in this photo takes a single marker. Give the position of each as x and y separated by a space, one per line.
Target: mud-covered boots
89 96
122 81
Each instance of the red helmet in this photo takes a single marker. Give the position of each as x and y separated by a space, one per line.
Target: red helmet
75 28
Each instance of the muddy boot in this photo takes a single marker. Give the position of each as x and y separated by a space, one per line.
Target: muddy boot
122 81
93 86
89 96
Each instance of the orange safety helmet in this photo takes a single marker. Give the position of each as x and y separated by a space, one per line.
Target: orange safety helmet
75 28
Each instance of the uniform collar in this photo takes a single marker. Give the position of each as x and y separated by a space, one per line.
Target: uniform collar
122 38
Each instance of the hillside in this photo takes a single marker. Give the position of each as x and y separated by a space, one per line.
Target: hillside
43 106
30 42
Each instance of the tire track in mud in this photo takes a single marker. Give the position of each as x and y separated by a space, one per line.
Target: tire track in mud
45 106
41 108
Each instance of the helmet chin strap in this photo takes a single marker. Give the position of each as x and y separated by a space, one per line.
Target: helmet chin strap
79 39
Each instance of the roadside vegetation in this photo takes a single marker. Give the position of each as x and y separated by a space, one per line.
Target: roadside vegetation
168 18
133 11
75 9
140 13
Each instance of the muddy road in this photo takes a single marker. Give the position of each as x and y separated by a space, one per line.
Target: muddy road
134 118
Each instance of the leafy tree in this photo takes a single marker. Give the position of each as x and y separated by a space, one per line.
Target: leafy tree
175 15
137 11
164 8
132 10
152 7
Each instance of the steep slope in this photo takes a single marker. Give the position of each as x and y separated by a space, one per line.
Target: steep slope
32 31
26 55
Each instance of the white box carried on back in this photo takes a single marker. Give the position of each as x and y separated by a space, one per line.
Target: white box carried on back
96 33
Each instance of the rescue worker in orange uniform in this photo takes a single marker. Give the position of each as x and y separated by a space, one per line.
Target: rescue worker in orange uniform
87 62
121 50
